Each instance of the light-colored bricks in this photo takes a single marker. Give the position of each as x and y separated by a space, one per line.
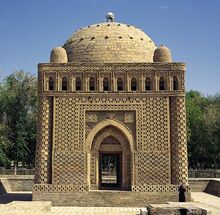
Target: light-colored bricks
149 125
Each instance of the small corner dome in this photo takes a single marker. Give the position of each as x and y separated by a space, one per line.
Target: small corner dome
162 54
58 55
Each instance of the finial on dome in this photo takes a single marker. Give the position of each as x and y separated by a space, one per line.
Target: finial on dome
110 17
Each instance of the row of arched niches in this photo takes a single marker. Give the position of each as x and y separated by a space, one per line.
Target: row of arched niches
106 84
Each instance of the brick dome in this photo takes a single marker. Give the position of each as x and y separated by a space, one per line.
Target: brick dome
58 55
162 54
110 42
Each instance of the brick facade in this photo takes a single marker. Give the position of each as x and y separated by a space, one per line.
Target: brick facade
146 114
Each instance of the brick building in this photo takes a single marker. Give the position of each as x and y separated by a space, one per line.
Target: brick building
111 117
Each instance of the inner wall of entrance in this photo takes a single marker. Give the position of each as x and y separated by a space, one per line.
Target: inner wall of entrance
110 160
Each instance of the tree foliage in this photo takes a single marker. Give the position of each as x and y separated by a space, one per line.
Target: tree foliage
203 130
18 98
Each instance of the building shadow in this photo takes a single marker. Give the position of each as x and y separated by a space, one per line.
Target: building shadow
2 189
10 197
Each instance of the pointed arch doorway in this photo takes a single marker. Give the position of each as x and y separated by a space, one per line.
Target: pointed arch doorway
110 164
111 159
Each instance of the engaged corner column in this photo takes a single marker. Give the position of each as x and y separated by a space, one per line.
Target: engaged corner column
44 141
178 141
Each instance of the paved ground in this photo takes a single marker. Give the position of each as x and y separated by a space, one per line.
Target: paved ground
207 201
20 204
95 211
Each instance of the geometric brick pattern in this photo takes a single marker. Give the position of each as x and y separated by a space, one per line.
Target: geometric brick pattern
106 108
155 136
73 68
52 188
43 149
155 119
145 127
120 116
69 167
158 188
152 168
179 161
92 170
66 125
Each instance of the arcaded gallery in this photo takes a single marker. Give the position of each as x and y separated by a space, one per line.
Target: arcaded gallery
112 121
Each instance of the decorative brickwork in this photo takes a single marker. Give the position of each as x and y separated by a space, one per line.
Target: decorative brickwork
158 188
111 100
111 109
148 119
179 162
59 188
44 139
125 117
153 168
155 128
66 125
69 167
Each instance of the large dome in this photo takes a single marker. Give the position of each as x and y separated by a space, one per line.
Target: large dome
110 42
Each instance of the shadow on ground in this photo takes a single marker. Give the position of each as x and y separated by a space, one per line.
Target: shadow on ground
10 197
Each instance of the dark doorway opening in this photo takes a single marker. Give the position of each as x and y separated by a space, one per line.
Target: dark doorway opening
110 171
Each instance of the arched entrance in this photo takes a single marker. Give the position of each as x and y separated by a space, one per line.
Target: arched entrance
111 158
110 164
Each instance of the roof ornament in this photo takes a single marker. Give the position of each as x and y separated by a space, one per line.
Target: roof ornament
110 17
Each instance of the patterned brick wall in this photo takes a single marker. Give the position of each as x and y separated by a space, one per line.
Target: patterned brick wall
44 138
179 161
153 168
128 118
153 155
72 116
69 159
66 125
69 167
155 129
155 119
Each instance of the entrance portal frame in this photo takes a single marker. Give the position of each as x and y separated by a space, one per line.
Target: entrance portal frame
103 130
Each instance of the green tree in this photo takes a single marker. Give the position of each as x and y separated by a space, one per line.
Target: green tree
4 145
212 123
4 141
203 130
19 104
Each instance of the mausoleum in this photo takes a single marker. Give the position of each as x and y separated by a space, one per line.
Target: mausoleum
112 121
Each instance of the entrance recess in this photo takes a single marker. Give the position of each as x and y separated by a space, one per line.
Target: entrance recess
111 158
110 171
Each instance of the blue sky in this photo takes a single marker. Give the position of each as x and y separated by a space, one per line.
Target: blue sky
29 29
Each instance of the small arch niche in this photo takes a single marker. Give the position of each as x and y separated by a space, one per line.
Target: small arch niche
134 84
78 84
148 84
92 86
106 84
51 83
120 85
161 83
64 84
175 83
